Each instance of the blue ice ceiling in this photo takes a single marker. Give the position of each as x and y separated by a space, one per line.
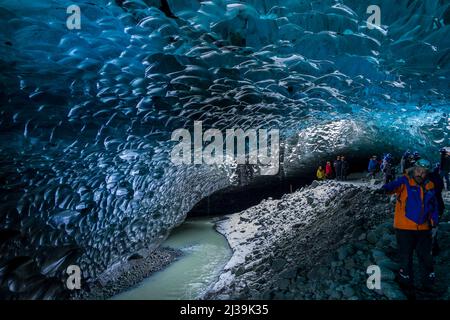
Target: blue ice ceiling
86 115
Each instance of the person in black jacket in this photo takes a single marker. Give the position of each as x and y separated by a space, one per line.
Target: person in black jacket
445 166
338 168
438 182
388 169
344 168
405 162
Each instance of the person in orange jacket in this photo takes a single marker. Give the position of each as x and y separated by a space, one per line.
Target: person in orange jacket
416 216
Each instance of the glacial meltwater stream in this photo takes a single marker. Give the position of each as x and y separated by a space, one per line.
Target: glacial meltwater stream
205 254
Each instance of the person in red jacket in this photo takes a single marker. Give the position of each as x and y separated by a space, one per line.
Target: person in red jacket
416 216
328 170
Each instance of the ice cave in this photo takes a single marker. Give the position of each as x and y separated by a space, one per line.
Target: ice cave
87 112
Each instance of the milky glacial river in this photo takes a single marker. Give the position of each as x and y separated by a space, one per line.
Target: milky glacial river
205 254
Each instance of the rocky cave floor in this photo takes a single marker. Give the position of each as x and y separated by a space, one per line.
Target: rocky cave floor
317 243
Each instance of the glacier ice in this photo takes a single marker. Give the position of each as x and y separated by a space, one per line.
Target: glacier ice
86 115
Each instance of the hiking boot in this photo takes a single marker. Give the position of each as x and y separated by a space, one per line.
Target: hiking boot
406 284
428 285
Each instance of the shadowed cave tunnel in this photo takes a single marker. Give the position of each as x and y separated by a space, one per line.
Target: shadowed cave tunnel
237 198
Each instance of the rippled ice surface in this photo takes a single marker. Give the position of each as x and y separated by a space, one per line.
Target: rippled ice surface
205 254
86 115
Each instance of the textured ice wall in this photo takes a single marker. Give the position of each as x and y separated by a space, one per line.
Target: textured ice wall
86 115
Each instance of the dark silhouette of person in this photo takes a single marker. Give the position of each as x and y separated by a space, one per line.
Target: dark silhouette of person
344 168
338 167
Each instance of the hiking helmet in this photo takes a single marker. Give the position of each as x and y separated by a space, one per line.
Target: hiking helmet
407 153
423 163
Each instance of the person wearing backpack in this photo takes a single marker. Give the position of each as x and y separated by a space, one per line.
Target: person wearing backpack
415 220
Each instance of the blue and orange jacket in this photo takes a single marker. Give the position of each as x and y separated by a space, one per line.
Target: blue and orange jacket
416 207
